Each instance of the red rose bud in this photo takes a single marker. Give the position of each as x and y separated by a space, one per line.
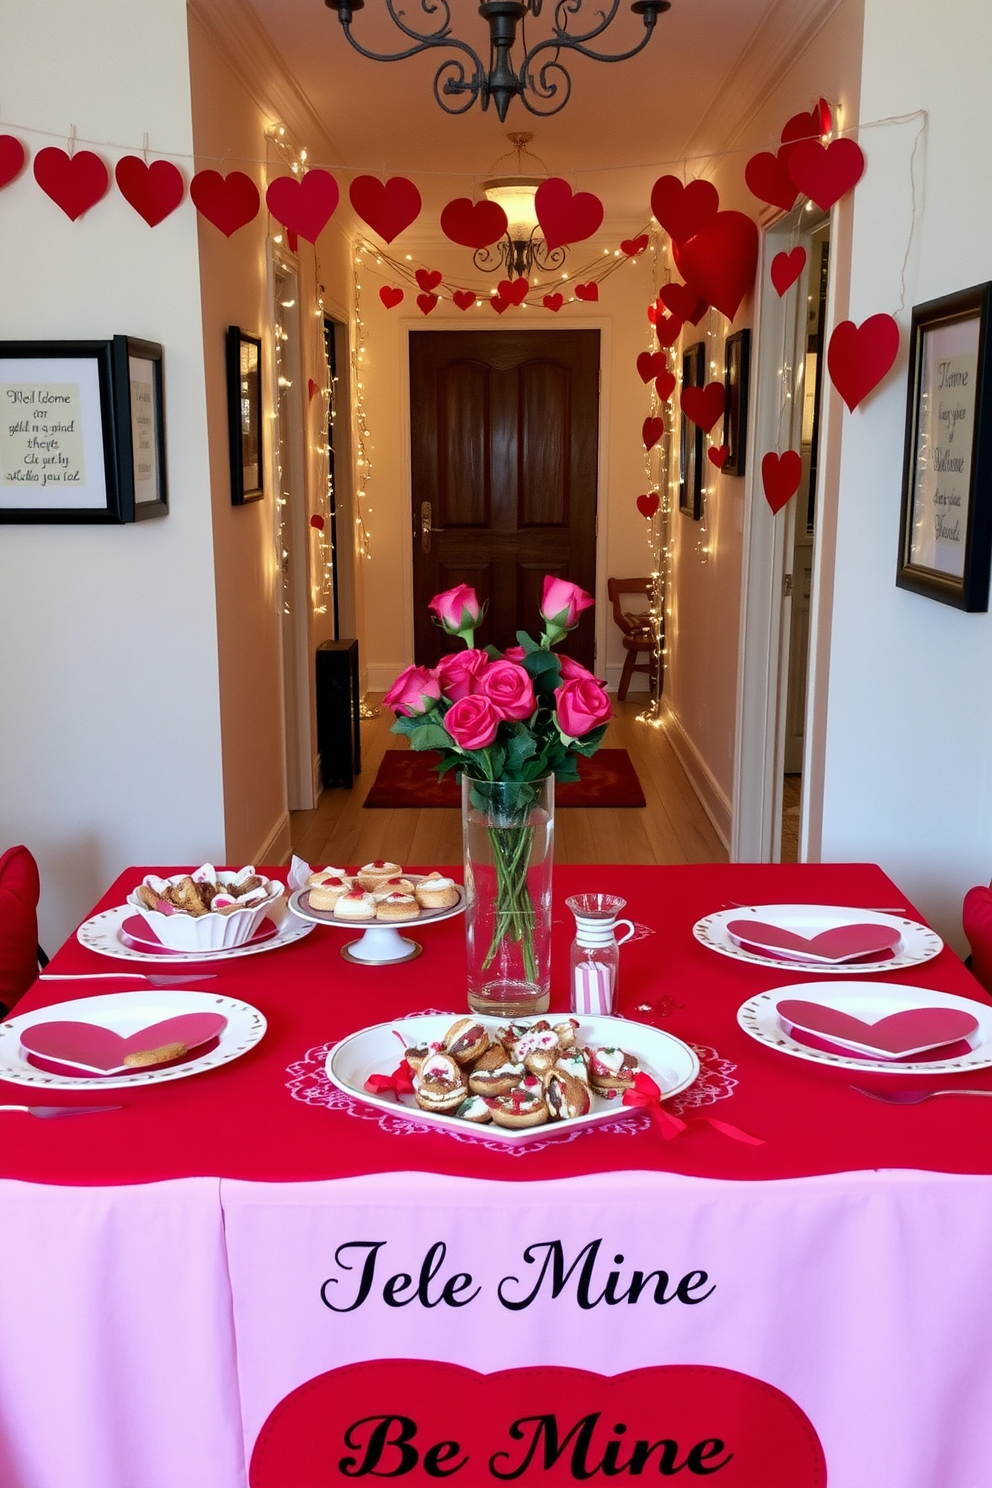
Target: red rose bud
415 691
458 611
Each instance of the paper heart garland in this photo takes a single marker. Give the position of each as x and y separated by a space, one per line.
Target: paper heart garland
825 173
473 224
651 364
564 217
588 291
463 298
668 329
317 521
428 279
12 158
786 268
229 202
704 405
100 1048
499 304
664 385
513 291
387 206
74 182
553 302
858 357
648 504
312 390
717 455
697 1416
899 1035
813 125
719 261
390 296
683 210
304 206
152 190
633 246
683 302
781 476
651 431
653 314
426 303
768 179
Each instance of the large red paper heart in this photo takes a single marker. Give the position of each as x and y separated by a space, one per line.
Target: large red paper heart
227 201
633 246
304 206
683 210
826 172
426 303
553 302
899 1034
768 179
537 1424
565 218
74 182
651 364
464 298
786 268
704 405
152 190
102 1049
12 158
391 296
668 329
836 944
651 431
648 504
858 357
683 302
664 385
805 126
720 260
473 224
513 291
781 476
717 455
387 206
428 279
588 291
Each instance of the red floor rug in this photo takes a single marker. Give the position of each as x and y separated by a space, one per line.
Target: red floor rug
408 779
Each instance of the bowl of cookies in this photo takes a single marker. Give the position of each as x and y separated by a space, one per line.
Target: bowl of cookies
208 910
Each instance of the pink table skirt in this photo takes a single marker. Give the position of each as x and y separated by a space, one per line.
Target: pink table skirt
148 1333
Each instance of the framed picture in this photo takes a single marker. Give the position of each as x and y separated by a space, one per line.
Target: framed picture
691 438
736 375
945 530
244 412
70 450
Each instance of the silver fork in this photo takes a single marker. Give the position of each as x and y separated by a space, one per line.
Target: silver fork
130 976
912 1097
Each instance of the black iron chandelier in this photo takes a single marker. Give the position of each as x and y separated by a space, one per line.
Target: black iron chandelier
541 82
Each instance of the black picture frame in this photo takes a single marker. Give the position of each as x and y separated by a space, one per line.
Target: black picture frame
945 526
65 437
736 383
691 438
244 413
139 408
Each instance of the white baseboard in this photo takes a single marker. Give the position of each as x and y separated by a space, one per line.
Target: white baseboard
712 797
278 846
380 676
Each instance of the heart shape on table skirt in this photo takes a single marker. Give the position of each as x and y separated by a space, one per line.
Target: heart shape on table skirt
899 1034
836 944
101 1048
535 1424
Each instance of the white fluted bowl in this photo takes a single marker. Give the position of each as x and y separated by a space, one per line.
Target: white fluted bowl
212 931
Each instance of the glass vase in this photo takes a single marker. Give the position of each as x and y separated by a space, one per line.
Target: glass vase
508 834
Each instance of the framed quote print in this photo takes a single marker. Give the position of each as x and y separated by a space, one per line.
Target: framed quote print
945 530
736 377
244 414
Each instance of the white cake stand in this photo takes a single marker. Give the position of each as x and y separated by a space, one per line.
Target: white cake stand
381 944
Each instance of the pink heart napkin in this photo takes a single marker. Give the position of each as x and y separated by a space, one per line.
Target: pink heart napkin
795 961
89 1046
842 943
139 936
900 1035
957 1050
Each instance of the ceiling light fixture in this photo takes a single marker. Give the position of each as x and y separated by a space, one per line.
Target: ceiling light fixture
523 249
541 82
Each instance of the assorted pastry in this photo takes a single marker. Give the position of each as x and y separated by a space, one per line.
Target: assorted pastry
206 891
379 891
522 1075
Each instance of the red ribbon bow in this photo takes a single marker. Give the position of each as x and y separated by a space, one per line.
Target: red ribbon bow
646 1094
400 1081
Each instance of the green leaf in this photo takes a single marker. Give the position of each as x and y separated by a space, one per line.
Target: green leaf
528 642
431 736
494 653
520 748
405 725
567 772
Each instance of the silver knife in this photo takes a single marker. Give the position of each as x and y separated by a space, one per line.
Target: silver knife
49 1111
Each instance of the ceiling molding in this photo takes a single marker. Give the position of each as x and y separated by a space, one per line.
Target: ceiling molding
248 48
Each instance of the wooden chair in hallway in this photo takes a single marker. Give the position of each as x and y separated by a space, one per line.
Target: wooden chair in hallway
635 625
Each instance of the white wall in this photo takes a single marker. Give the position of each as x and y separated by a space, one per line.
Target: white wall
109 722
909 721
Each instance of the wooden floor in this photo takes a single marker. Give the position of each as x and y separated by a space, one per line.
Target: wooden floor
672 828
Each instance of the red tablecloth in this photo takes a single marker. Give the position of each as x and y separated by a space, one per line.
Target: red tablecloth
241 1121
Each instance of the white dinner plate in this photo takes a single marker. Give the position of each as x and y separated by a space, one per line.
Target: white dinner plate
128 1013
378 1050
379 942
102 933
868 1001
917 943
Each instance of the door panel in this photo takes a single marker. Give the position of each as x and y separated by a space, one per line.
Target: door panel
504 448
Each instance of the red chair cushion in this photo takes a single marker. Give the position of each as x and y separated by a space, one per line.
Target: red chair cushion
977 918
20 889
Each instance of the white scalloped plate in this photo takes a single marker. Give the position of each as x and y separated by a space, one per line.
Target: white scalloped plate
102 933
917 943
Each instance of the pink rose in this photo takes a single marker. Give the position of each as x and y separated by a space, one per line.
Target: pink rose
458 609
514 653
572 671
581 706
509 689
458 672
415 691
472 722
562 603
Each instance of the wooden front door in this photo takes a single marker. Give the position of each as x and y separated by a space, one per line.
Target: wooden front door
504 449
